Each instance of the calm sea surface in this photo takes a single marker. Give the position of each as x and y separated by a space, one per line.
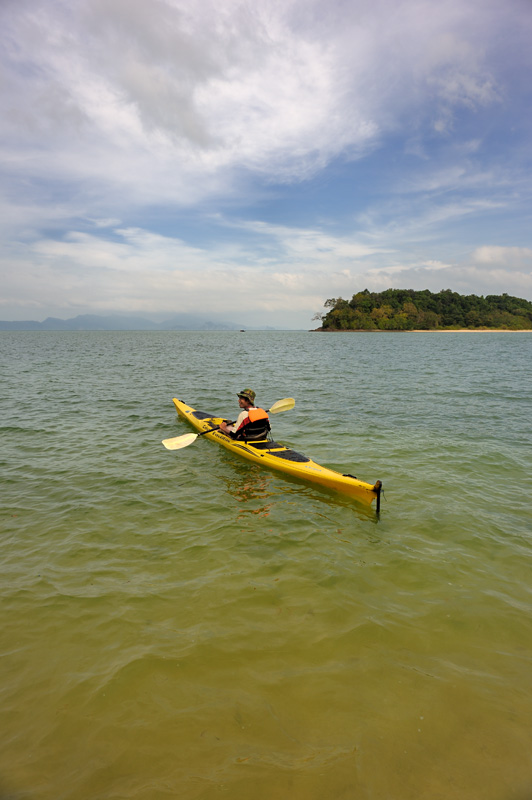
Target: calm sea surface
186 625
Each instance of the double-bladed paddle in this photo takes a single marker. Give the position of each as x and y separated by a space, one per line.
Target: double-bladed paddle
183 441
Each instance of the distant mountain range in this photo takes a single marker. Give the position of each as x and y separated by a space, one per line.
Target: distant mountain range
93 322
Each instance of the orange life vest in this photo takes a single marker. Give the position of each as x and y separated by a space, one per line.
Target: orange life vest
256 414
255 426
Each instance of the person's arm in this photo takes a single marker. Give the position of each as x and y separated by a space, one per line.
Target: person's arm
229 429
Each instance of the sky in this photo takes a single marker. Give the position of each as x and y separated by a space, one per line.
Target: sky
249 160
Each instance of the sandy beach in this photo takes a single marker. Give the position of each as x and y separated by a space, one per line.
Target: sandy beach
468 330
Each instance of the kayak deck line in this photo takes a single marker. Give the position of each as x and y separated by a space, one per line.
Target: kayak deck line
280 458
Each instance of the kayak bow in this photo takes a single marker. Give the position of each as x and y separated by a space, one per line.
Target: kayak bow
280 458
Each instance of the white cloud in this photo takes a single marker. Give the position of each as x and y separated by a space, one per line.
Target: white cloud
113 108
312 245
137 269
487 270
169 90
508 258
152 274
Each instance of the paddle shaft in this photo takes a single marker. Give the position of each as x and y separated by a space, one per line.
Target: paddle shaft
217 428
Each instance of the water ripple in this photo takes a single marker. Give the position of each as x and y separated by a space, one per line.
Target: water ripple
188 625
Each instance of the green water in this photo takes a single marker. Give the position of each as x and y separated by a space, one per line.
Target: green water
186 625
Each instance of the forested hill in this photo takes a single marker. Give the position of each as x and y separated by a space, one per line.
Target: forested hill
406 310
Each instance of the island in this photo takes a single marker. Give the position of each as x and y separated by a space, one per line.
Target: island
410 310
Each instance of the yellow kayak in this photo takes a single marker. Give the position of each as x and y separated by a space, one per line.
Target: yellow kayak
280 458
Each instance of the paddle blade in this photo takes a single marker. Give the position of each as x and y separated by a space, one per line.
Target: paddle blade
180 441
282 405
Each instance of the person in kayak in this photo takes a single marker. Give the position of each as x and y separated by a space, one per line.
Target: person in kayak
252 423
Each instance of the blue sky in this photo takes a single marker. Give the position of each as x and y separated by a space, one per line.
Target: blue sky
249 160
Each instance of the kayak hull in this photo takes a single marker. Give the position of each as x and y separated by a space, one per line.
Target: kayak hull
281 459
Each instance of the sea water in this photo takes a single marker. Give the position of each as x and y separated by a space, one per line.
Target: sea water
187 625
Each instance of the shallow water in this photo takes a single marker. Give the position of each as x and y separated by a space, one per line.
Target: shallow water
186 625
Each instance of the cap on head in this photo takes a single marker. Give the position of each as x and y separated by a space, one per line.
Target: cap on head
247 394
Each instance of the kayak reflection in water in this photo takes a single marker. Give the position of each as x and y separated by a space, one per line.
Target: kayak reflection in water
252 422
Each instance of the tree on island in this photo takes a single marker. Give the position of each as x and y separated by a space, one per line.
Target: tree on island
407 310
